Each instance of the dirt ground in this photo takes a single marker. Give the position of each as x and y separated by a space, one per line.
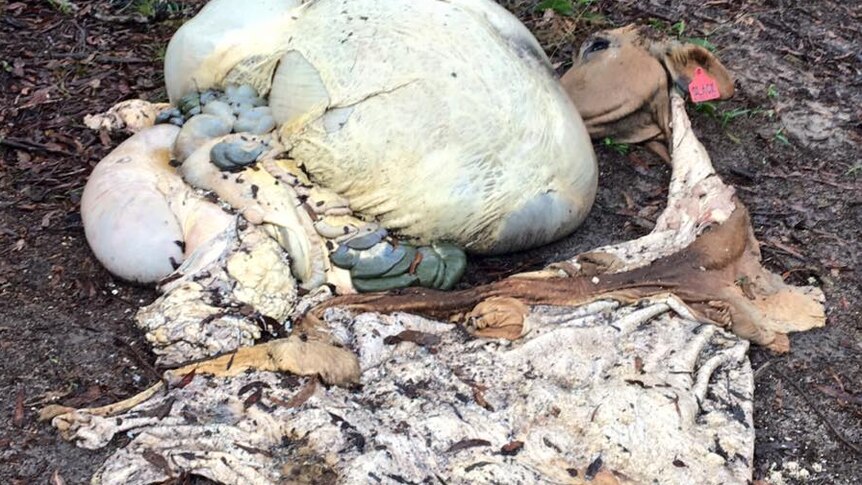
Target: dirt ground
789 142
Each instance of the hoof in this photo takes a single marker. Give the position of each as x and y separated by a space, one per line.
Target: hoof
455 262
190 104
366 241
403 265
384 266
197 131
429 267
344 257
256 121
377 260
221 109
231 156
173 116
244 94
385 284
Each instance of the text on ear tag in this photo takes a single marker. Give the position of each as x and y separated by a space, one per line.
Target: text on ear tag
702 87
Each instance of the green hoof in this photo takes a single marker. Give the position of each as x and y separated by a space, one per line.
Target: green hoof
429 267
440 276
190 102
256 121
377 260
402 266
167 115
383 267
209 96
455 263
366 241
243 94
384 284
232 156
221 110
344 257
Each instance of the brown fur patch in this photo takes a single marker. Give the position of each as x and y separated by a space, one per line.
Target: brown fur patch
622 92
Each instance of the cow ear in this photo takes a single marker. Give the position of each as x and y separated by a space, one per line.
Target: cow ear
681 61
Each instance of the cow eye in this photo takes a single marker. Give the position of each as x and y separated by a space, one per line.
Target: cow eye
598 45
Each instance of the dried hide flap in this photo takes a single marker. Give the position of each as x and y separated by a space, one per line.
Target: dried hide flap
615 375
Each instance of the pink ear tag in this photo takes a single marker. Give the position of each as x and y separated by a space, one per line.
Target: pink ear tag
702 87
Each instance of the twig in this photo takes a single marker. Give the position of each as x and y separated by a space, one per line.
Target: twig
31 146
817 411
121 60
140 358
80 56
134 18
784 249
813 179
761 369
